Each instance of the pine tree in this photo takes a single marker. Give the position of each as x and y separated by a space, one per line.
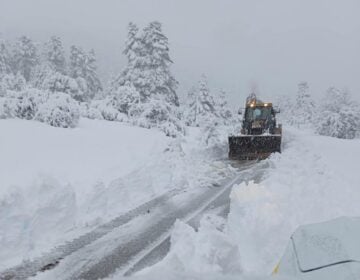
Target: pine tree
191 113
286 106
83 69
146 89
190 106
50 75
92 80
148 67
156 63
25 57
77 62
55 55
132 44
202 107
5 60
339 115
304 109
223 108
302 98
131 73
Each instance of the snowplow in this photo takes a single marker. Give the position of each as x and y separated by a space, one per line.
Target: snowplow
260 135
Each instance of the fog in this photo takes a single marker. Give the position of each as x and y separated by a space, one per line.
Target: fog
236 43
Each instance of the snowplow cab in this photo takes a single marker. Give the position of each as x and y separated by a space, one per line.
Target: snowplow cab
259 118
260 135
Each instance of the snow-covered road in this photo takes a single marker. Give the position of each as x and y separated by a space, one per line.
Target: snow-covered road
135 239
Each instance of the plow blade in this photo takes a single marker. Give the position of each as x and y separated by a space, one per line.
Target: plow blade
249 147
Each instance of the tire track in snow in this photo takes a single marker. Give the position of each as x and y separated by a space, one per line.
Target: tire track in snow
153 242
159 251
129 254
49 260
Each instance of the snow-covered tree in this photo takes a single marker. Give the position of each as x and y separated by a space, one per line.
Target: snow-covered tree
133 52
28 102
156 62
22 104
189 106
201 106
149 62
133 45
124 84
339 116
55 55
127 97
145 91
50 75
8 107
107 109
116 105
77 62
91 77
285 104
158 113
5 60
11 82
60 110
303 113
89 110
77 70
223 109
47 79
83 70
25 57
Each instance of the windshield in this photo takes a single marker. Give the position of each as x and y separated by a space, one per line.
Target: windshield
258 113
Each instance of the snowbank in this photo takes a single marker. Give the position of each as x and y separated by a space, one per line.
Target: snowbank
81 156
54 180
316 178
313 180
208 253
65 182
209 249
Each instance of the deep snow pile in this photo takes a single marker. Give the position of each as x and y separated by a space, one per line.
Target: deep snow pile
208 253
55 179
204 252
313 180
64 182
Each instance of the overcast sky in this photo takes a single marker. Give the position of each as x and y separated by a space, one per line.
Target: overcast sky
236 43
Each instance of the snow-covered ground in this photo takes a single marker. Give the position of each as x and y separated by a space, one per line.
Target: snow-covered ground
66 182
54 180
316 178
59 183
